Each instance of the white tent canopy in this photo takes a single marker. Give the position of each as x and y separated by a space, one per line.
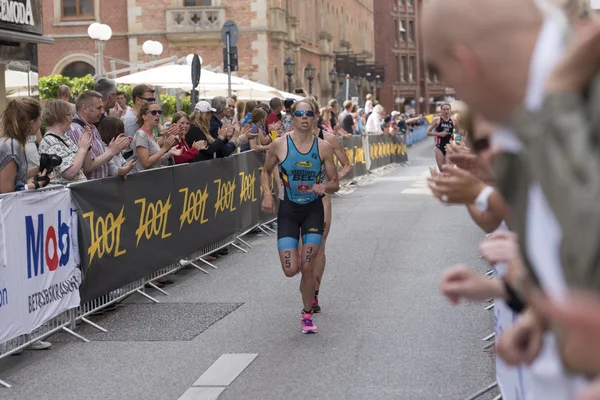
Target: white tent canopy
17 80
212 84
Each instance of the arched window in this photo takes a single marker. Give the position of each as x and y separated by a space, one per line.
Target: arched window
78 69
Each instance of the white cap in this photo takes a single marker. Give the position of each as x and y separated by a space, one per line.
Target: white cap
204 106
395 113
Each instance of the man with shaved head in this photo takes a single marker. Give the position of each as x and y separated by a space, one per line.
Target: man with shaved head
497 65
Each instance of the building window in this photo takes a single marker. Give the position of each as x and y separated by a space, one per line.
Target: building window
401 3
411 69
428 74
403 70
77 9
78 69
409 2
397 72
402 32
396 32
196 3
411 31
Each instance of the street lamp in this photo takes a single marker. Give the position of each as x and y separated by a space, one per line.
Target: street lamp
378 84
333 80
341 79
290 69
309 73
100 33
152 48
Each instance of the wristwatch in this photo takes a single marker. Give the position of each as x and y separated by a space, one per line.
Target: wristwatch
482 200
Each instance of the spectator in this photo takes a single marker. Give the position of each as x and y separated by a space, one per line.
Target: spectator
141 94
221 110
229 111
112 129
188 153
259 117
369 105
150 154
122 101
287 125
76 158
326 118
346 119
360 122
335 112
64 93
108 89
240 111
275 116
375 121
90 108
21 117
250 106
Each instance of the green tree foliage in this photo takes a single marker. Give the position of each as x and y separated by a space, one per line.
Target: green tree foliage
80 85
48 86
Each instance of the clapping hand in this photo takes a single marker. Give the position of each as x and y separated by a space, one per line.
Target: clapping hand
85 141
200 145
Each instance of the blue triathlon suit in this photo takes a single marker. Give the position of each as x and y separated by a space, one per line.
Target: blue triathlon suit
299 210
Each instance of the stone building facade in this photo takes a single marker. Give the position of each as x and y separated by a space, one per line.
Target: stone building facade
409 83
271 31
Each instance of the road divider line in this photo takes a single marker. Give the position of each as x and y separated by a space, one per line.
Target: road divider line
202 393
225 370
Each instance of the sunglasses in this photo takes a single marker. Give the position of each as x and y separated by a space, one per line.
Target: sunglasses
150 99
480 145
302 113
155 112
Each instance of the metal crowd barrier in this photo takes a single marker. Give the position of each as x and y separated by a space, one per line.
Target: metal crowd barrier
416 135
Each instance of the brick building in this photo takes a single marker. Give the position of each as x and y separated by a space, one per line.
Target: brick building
398 47
271 31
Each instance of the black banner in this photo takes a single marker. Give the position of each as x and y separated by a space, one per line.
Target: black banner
131 228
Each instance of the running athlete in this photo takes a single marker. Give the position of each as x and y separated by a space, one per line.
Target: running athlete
300 156
442 128
342 157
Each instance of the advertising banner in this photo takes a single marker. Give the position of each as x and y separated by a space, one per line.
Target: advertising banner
39 274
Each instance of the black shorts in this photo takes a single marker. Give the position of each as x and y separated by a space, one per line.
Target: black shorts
294 218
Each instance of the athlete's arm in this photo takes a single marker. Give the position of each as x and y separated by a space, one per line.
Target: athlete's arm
333 184
434 124
268 203
340 154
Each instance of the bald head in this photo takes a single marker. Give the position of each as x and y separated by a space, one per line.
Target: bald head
476 21
482 48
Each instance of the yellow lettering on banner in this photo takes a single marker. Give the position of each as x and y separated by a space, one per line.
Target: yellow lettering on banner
350 155
247 182
225 196
105 235
194 206
153 219
359 154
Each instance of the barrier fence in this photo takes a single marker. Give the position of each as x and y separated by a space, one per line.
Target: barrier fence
416 135
68 252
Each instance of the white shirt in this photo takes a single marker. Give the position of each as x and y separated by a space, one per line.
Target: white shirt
543 236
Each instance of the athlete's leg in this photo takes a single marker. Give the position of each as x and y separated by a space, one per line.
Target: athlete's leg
440 157
288 234
312 238
321 258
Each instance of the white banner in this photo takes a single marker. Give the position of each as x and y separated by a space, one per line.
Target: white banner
39 274
511 380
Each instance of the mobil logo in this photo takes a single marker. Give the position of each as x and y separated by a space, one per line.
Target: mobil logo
48 243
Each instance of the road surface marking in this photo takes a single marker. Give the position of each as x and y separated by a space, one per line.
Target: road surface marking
225 370
202 393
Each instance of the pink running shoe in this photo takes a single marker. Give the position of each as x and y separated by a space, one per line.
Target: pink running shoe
316 308
308 325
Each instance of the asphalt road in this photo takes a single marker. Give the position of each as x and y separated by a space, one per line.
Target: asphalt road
385 331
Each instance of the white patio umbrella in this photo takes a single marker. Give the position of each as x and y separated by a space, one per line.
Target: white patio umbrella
18 81
179 77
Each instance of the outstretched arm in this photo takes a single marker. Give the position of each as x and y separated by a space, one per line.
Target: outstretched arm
340 154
